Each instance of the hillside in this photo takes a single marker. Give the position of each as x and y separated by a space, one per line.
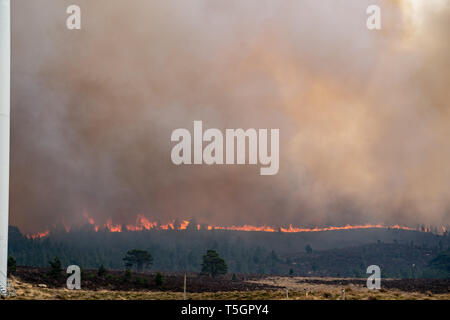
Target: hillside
334 253
395 260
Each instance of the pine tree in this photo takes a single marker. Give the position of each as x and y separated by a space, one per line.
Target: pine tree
213 264
55 268
159 280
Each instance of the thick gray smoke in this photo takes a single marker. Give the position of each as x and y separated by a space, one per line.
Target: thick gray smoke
363 115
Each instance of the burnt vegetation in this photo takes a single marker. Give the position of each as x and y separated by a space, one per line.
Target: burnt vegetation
135 281
197 283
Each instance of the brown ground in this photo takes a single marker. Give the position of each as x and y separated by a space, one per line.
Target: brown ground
173 281
355 289
277 288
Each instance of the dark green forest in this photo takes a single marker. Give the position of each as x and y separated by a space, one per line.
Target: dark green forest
399 253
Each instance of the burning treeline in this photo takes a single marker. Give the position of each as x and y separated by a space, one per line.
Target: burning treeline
363 116
142 224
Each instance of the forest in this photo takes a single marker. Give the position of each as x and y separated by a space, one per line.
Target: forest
399 253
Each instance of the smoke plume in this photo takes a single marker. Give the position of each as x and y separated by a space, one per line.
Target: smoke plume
363 115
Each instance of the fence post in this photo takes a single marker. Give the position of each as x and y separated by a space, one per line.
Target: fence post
184 296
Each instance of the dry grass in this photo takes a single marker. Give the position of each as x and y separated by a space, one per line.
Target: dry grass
297 291
301 290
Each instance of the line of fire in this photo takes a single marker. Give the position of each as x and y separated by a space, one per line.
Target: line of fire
143 224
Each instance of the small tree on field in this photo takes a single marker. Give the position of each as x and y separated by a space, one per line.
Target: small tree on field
101 271
127 275
11 265
55 267
308 249
213 264
159 280
141 259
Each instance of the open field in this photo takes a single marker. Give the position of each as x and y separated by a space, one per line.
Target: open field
26 291
38 286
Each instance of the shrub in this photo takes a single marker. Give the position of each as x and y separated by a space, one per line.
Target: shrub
159 280
127 275
101 271
111 277
11 265
141 280
55 268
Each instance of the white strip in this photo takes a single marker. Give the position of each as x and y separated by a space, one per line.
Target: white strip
5 59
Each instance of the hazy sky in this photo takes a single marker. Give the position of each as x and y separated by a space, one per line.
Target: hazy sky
363 115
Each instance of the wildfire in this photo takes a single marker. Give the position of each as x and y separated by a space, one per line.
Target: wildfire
142 223
38 235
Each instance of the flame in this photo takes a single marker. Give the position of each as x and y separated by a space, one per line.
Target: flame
142 223
38 235
113 227
184 225
245 227
91 221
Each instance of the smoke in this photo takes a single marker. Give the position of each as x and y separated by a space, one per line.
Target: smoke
363 115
